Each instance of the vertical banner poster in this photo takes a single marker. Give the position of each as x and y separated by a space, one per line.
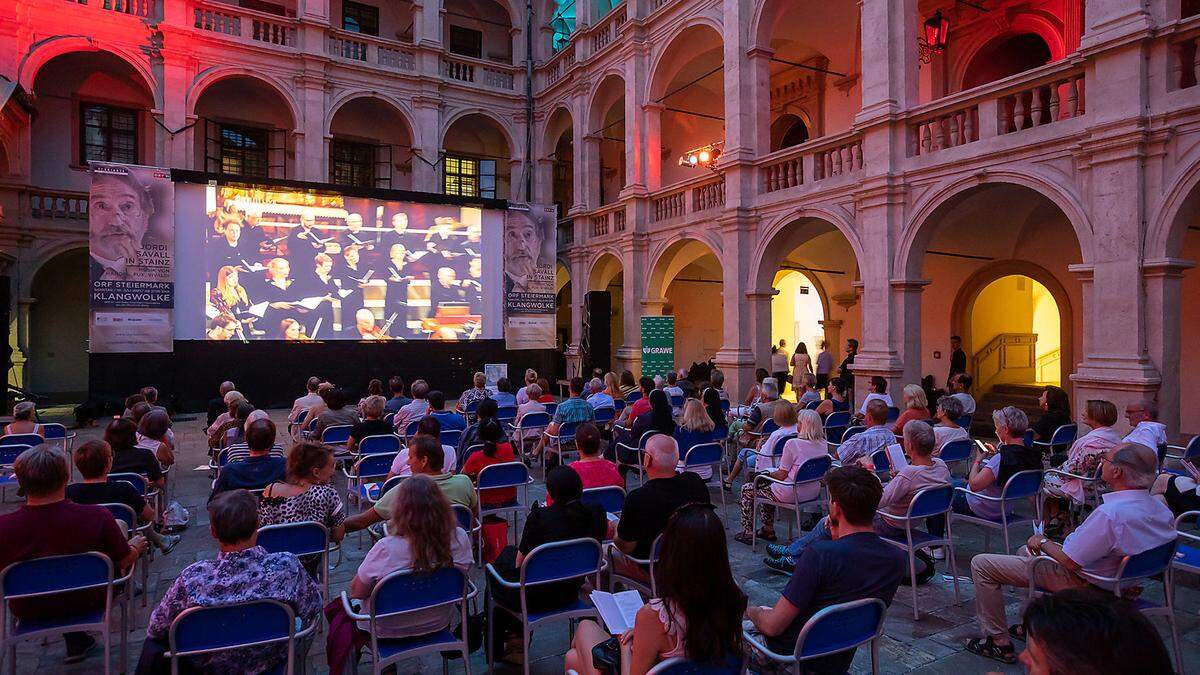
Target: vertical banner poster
530 246
131 244
658 345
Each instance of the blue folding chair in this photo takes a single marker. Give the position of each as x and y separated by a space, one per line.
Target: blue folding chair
931 501
124 513
550 408
249 625
299 423
641 447
812 405
605 415
506 413
365 474
450 437
851 432
408 592
1021 486
883 464
835 426
893 414
307 539
500 476
8 457
557 444
58 433
470 410
30 440
810 473
377 445
337 436
411 429
724 405
965 422
833 630
633 396
531 425
35 580
734 664
610 498
709 454
952 452
466 519
1140 567
1189 453
768 427
619 404
546 564
676 401
1060 440
618 578
375 491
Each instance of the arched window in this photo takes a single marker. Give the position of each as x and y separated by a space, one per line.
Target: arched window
1006 56
788 130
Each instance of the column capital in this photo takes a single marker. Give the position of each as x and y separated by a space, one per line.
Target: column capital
760 296
653 304
1173 268
845 300
830 323
1083 271
760 53
654 106
909 285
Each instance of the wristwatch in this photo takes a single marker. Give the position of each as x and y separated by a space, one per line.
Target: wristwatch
1042 543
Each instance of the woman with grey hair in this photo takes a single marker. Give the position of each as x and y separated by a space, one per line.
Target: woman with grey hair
154 434
23 420
372 423
949 410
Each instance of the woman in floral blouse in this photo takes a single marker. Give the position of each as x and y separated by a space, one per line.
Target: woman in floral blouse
1083 459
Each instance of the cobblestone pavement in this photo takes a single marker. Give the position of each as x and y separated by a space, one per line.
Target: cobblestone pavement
933 644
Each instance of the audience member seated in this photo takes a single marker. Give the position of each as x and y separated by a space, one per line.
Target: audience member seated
573 410
837 398
1083 458
218 406
960 385
628 383
374 388
763 456
49 524
414 410
523 396
424 537
425 457
242 571
716 380
754 393
448 420
1128 521
641 406
521 438
567 518
1057 412
612 386
657 418
599 398
923 471
308 400
762 411
121 436
808 390
876 391
593 469
504 393
470 438
258 470
337 412
697 614
431 427
711 398
24 416
154 434
809 443
235 431
876 436
1145 427
494 450
916 407
216 430
1090 631
695 427
372 424
398 399
949 410
673 390
320 406
547 395
991 470
475 394
130 402
94 461
305 493
648 507
854 564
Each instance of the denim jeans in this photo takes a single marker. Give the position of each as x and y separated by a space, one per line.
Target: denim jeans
818 533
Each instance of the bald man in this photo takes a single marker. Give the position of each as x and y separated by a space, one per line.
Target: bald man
647 509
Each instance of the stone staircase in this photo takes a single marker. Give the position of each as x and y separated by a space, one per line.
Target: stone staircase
1023 396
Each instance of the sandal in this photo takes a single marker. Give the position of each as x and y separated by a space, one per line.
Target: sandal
988 648
743 538
1017 632
767 535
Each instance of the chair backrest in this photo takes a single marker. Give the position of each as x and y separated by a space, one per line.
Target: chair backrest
389 484
55 574
9 453
768 427
956 451
610 498
777 449
1022 484
305 538
1064 435
505 474
374 465
550 408
390 418
676 401
724 405
217 628
688 439
965 422
645 437
883 463
704 454
893 413
506 412
123 513
812 405
633 396
337 434
1027 439
1192 450
301 418
677 665
605 414
137 480
534 420
374 445
451 437
472 406
1147 563
814 469
840 627
619 404
22 439
411 428
931 501
464 516
560 560
835 425
408 591
566 430
54 431
852 432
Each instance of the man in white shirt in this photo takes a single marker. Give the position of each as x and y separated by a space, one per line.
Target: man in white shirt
1129 521
1146 429
308 400
876 391
598 399
673 389
417 409
959 385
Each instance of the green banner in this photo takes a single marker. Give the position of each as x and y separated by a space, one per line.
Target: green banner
658 345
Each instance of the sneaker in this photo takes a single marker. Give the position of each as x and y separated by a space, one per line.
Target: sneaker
777 550
783 563
939 553
82 654
169 542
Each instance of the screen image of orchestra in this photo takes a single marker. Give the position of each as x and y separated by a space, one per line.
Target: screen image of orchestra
297 266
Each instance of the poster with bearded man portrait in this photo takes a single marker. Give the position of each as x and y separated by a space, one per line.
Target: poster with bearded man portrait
529 250
131 248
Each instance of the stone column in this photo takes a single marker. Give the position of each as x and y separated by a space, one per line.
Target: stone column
883 346
634 264
309 145
639 144
833 341
176 146
589 168
544 183
906 319
1163 281
581 169
578 259
426 148
890 73
746 313
652 116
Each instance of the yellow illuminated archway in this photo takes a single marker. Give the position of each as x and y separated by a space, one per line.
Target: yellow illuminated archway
1015 334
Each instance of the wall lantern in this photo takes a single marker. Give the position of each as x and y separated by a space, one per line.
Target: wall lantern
937 35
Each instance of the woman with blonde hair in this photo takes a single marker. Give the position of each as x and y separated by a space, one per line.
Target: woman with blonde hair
229 295
808 444
612 386
916 407
695 427
767 454
531 378
423 536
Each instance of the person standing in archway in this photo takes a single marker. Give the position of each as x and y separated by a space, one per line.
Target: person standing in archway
958 358
846 369
801 366
779 364
824 366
